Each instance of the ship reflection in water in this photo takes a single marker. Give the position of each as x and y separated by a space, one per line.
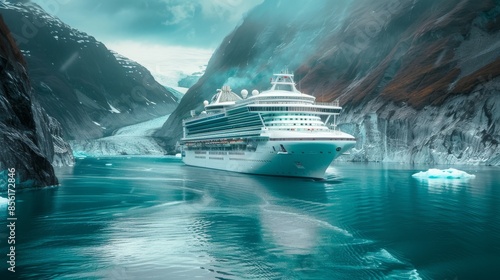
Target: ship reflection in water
155 218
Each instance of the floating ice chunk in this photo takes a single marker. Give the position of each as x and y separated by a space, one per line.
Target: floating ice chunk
450 173
3 202
80 154
109 164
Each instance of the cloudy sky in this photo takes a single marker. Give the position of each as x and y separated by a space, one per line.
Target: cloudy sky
166 36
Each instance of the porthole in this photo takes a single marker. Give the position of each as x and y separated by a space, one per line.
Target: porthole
338 149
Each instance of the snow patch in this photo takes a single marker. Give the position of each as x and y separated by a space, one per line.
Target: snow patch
450 173
44 85
96 123
113 109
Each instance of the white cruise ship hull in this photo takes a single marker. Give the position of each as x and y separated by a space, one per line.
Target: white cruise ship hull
308 159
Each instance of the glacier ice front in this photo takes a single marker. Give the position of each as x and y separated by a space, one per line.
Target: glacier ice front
450 173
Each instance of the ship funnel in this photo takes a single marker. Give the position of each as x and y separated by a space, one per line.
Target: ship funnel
244 93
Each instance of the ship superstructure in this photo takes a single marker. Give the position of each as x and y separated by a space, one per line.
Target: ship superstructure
280 131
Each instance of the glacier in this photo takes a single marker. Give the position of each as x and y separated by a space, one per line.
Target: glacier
130 140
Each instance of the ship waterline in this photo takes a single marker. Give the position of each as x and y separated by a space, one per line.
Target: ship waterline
280 132
281 158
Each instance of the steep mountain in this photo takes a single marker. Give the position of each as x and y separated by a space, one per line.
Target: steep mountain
418 79
29 139
89 89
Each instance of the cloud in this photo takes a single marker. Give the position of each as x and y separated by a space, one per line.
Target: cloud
193 23
229 10
180 12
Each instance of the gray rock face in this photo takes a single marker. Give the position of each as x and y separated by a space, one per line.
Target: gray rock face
50 137
464 130
26 131
63 155
418 79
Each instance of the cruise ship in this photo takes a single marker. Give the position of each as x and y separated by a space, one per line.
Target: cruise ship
279 132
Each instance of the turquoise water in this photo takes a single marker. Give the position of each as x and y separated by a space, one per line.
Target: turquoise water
154 218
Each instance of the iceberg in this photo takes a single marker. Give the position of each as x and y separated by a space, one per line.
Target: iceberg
3 202
450 173
80 154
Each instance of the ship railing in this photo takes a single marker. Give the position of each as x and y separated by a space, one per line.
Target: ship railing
282 102
334 103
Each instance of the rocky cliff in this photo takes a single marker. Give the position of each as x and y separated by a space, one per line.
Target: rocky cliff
418 79
89 89
29 138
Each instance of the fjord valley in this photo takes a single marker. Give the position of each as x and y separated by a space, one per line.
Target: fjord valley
108 173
